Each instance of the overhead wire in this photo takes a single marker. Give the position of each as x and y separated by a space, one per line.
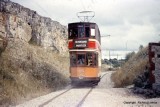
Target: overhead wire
90 5
83 4
37 4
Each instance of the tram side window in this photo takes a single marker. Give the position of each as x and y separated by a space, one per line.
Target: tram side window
73 60
73 33
81 59
95 56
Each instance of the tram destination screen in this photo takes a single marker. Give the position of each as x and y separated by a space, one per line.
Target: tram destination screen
80 43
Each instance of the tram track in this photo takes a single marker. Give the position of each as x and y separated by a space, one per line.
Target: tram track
87 94
103 75
47 102
83 99
61 94
80 103
78 96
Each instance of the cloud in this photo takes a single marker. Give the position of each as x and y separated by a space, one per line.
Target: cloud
131 22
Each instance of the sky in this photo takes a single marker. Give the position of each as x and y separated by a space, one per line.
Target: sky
130 23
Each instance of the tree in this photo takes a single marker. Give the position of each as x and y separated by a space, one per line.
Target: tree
141 47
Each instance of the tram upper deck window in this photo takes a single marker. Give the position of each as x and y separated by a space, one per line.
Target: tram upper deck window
87 31
73 33
92 32
81 32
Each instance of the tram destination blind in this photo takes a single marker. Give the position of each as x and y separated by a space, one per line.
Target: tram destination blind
80 43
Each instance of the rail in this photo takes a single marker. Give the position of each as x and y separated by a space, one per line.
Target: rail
80 103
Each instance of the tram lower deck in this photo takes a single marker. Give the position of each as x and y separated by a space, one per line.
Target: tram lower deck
85 66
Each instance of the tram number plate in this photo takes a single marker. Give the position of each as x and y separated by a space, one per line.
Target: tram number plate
81 77
81 74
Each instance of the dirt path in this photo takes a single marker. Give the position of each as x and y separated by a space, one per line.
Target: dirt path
105 81
103 95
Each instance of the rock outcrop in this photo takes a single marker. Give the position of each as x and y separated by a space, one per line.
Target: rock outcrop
22 23
33 54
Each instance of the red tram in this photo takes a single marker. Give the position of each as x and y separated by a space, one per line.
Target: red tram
85 52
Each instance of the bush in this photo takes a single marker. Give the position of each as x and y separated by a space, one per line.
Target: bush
135 65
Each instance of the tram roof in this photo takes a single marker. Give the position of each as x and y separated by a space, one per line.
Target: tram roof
77 23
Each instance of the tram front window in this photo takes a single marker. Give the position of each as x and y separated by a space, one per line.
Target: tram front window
81 59
85 59
91 59
73 59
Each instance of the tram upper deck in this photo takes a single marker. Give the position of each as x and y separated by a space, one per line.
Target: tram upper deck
83 35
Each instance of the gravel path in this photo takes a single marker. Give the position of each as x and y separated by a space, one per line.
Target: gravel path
102 95
106 80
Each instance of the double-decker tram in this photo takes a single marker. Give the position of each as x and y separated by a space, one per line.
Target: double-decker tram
85 52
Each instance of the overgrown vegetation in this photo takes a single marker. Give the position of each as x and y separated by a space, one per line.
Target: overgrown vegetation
28 71
129 55
1 51
1 47
134 66
16 87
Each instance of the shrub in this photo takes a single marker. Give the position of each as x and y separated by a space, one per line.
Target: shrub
131 69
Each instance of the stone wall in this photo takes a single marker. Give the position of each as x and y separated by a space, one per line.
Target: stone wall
154 58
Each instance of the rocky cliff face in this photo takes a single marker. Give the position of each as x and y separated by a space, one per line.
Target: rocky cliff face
22 23
33 59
